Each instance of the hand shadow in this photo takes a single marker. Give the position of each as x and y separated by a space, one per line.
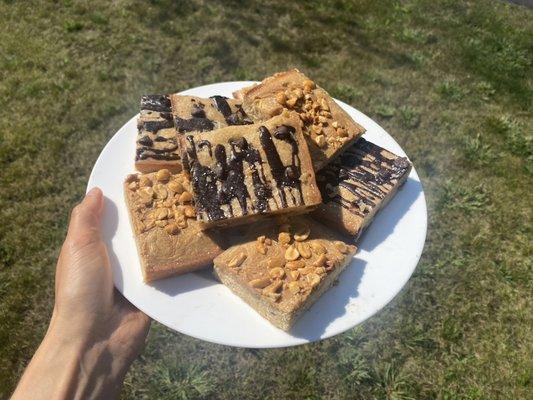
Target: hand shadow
109 229
185 283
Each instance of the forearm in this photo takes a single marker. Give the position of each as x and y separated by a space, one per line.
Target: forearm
78 368
94 333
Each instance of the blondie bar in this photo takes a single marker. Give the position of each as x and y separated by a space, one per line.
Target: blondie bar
195 114
357 184
157 144
243 172
281 270
163 218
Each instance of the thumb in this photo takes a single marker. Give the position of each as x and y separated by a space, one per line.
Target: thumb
85 218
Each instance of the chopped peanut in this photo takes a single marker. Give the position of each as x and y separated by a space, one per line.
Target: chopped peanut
163 175
291 253
304 249
237 260
260 283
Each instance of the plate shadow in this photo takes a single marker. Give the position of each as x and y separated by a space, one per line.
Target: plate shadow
332 304
387 218
185 283
109 229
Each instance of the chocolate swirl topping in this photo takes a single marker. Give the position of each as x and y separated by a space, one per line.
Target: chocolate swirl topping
156 102
222 105
167 147
193 124
364 172
154 126
144 153
204 182
198 110
217 187
166 115
239 117
145 141
207 144
285 176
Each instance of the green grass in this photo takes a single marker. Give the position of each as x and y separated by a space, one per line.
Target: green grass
451 80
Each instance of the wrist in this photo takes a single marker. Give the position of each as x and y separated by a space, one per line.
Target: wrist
64 335
52 370
72 363
92 347
83 362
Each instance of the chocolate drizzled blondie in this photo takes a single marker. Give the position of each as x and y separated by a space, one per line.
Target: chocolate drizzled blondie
247 171
157 144
357 184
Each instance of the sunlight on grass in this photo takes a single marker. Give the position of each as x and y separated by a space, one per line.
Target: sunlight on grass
450 80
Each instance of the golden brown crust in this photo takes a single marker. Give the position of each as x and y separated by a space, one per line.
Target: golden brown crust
245 183
151 165
280 270
168 237
328 128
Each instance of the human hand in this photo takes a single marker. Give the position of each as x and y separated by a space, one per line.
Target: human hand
87 304
92 322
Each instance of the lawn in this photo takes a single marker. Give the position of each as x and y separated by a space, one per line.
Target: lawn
450 80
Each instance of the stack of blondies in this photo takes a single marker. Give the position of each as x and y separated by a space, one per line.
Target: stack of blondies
273 187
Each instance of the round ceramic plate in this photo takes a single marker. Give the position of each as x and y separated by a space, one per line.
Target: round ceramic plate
197 305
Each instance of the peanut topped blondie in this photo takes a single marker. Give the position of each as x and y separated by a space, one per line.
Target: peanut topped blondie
163 217
282 269
357 184
243 172
328 128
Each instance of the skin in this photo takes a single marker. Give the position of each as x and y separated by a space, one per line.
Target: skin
94 333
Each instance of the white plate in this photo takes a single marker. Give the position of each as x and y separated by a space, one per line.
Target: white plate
196 305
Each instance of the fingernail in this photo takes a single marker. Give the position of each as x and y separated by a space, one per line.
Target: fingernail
94 191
